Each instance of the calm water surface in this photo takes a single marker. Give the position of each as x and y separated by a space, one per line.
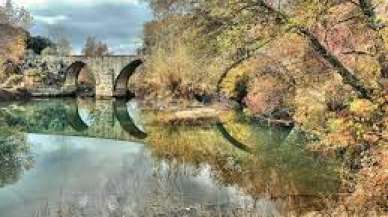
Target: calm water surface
81 157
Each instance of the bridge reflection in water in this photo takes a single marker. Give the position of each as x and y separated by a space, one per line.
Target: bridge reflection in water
109 119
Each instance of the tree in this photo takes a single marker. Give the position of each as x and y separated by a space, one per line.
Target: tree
165 8
15 16
60 37
238 24
89 48
241 29
12 42
94 48
326 60
39 43
101 49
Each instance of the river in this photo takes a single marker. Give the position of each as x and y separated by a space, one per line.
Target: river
82 157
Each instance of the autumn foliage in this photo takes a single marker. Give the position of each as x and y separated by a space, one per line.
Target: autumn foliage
324 62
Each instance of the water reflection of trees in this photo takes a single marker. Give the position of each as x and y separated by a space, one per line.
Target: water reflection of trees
51 116
15 156
171 187
278 169
44 115
147 188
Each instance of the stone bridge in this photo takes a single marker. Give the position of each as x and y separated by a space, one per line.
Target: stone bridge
111 74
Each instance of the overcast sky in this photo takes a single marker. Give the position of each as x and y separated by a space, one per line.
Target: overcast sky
116 22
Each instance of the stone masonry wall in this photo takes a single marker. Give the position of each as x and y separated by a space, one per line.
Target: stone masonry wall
104 69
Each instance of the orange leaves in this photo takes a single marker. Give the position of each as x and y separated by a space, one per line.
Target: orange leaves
265 95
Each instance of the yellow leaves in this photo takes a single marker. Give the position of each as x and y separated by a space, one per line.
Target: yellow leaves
346 131
343 12
339 139
336 124
385 124
236 75
384 36
186 143
310 109
381 8
368 68
352 126
233 38
362 108
167 64
311 113
306 13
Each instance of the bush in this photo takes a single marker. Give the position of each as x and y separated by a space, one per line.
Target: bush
310 110
337 95
13 81
48 51
362 108
7 69
174 71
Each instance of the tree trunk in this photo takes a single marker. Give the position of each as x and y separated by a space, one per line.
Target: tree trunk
347 76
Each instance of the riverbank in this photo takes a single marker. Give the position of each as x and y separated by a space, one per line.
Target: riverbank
14 94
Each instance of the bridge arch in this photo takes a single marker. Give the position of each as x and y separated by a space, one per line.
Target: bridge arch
73 75
121 83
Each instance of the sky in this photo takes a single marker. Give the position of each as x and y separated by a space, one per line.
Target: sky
116 22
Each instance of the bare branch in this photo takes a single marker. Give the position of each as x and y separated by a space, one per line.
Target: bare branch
356 52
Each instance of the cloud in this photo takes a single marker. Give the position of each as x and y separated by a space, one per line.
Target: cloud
50 20
119 23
